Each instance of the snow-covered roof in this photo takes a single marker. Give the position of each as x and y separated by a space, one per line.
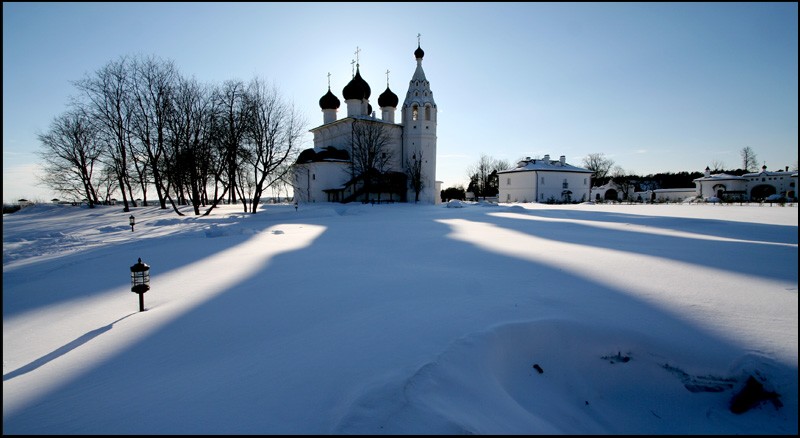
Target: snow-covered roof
545 164
719 176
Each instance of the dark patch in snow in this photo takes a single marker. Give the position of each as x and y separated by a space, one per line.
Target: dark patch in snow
113 229
701 383
617 358
752 395
165 222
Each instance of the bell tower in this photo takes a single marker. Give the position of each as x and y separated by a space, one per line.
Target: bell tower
419 118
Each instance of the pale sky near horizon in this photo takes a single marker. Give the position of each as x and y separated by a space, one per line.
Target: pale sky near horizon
656 87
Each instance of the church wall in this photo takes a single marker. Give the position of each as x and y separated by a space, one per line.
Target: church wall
312 178
336 135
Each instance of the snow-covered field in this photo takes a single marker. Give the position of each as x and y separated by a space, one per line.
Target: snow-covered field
401 319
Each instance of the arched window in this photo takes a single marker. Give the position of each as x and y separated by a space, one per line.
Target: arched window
427 113
414 112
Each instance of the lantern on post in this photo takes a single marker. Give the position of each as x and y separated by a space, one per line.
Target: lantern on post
140 281
132 221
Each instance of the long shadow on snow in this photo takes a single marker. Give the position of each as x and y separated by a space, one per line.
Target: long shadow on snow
711 227
727 256
104 268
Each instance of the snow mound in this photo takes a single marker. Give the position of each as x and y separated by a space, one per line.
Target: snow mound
544 372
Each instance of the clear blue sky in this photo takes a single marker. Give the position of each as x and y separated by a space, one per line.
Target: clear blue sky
656 87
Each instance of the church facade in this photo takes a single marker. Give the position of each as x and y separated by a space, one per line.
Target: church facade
365 158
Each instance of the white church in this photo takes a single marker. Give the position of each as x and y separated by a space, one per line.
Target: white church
326 172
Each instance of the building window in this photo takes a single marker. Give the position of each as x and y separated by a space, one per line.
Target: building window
542 180
508 181
584 181
427 113
414 112
314 176
565 184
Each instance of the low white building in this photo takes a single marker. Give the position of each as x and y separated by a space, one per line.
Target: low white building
544 181
748 187
665 195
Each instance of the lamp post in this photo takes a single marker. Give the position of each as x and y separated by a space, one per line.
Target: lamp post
132 221
140 281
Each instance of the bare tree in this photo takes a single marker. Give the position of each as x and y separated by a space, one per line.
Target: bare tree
414 173
151 91
107 184
717 166
109 107
231 125
625 183
483 176
190 141
598 164
749 162
71 154
271 139
369 151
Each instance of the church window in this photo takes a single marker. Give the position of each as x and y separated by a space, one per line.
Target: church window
508 181
414 112
314 176
565 184
427 113
542 180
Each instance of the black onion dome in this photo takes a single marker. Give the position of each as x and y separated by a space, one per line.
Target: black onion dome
369 108
419 53
357 88
388 98
329 101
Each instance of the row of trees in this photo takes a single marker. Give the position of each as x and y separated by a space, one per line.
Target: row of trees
138 123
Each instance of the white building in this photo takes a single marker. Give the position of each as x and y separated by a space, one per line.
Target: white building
324 173
748 187
544 181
